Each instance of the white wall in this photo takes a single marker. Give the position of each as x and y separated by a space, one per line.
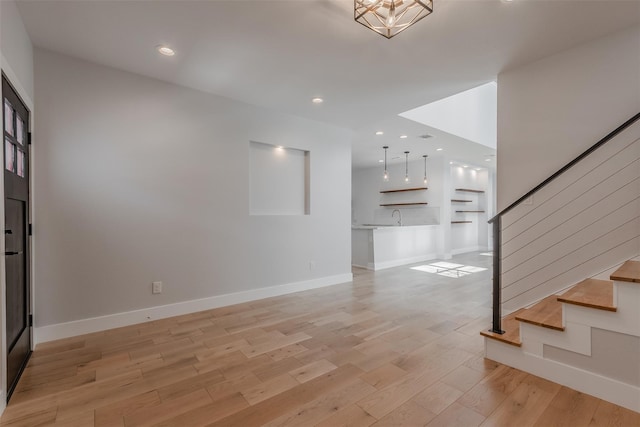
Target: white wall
138 181
16 61
17 50
551 110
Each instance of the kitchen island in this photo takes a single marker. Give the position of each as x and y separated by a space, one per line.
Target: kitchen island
378 246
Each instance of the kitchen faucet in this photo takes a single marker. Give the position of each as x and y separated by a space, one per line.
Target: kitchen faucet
399 216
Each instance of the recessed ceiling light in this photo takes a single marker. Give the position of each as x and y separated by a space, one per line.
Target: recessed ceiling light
438 149
403 136
487 160
465 166
379 132
317 100
165 50
477 169
450 163
380 161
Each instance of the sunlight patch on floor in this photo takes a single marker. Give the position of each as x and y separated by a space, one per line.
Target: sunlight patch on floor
449 269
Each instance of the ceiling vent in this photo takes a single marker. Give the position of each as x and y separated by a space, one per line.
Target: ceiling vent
426 136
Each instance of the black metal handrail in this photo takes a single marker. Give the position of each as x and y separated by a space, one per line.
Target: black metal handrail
496 326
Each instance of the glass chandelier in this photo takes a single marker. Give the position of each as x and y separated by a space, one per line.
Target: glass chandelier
390 17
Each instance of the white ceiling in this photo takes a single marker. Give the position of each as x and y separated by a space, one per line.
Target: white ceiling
280 54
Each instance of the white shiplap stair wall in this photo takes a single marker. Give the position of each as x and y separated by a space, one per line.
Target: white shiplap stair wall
584 222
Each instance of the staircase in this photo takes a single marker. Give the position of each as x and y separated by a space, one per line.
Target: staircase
587 338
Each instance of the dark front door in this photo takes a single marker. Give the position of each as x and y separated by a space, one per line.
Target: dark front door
16 220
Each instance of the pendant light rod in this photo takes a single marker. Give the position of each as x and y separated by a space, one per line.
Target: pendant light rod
425 168
406 166
386 174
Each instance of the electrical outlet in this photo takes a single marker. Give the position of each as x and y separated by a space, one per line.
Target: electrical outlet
156 288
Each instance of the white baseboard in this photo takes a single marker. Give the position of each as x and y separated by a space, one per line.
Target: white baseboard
117 320
605 388
404 261
468 249
360 266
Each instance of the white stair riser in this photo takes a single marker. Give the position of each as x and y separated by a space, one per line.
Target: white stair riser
625 321
576 338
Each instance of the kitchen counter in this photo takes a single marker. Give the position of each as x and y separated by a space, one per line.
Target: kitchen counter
379 246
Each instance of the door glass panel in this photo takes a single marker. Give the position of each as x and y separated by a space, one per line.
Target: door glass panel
19 130
8 117
9 155
20 163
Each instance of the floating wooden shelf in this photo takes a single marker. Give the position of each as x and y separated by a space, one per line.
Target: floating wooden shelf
403 204
404 189
472 211
460 201
468 190
460 222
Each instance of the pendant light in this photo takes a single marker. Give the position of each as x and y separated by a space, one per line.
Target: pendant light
386 174
425 169
406 167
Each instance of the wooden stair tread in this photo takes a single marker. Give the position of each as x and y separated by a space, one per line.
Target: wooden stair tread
591 293
512 330
628 272
547 313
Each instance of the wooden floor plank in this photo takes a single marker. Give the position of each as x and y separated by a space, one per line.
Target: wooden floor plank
312 370
457 415
384 375
522 407
207 414
113 415
269 388
569 407
487 395
351 416
278 405
152 415
409 414
437 397
610 415
324 406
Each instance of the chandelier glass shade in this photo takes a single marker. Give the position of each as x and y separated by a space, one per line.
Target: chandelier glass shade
390 17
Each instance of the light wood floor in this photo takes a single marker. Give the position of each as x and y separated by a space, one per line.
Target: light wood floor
396 347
